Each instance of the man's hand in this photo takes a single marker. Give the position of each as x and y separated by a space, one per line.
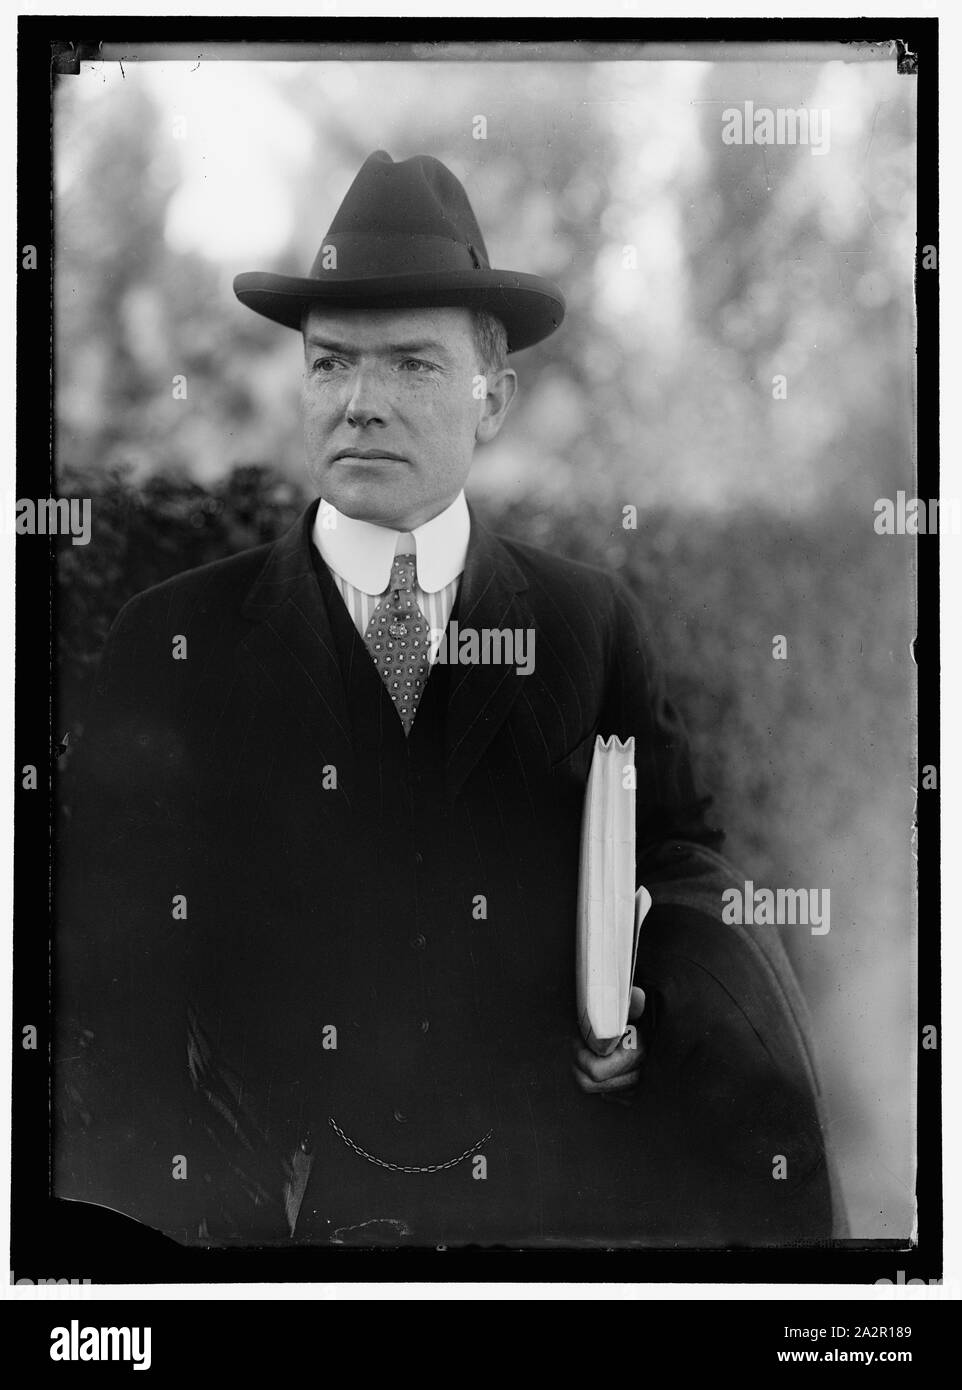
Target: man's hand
621 1068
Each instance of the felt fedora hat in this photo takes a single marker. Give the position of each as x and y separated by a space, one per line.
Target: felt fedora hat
405 236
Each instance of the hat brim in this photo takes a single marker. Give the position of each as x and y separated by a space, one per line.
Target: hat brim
529 307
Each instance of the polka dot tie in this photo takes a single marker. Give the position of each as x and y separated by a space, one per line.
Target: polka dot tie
399 640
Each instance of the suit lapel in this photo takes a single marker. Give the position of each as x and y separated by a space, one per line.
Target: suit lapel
479 696
290 651
291 655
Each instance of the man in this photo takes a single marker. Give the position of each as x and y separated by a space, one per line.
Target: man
319 925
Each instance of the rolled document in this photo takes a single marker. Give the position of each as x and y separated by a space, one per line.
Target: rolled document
610 911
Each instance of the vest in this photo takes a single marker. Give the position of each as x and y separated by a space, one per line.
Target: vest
440 1105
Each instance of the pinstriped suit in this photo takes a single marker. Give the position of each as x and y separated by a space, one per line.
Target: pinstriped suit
375 973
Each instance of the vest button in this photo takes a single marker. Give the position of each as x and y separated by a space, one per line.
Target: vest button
401 1118
425 1025
419 942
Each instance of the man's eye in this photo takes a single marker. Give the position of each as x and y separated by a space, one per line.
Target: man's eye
415 364
324 364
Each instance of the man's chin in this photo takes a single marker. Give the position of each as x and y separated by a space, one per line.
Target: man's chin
369 499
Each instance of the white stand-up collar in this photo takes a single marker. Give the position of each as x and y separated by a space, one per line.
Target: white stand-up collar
363 553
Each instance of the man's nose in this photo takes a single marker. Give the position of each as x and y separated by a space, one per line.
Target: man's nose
366 403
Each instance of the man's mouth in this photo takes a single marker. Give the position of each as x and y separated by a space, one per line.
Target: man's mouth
368 454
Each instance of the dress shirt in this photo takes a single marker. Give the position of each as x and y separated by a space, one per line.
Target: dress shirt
360 554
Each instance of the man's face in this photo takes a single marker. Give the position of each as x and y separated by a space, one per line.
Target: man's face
391 409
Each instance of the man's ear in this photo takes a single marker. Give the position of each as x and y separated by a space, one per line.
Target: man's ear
502 387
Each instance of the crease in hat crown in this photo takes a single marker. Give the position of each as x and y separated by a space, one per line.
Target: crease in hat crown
406 236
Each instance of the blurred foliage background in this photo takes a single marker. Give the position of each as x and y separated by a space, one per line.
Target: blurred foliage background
695 273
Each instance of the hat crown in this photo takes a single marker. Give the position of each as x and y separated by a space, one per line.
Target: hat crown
405 237
414 197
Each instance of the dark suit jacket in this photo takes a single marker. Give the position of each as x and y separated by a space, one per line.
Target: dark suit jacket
316 981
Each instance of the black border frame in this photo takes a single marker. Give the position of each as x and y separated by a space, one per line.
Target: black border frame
50 1237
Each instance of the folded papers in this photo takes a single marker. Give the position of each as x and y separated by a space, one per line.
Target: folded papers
610 911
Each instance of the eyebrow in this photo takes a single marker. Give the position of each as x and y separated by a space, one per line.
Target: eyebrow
421 345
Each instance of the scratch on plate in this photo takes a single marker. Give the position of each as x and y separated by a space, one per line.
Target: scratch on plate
400 1228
